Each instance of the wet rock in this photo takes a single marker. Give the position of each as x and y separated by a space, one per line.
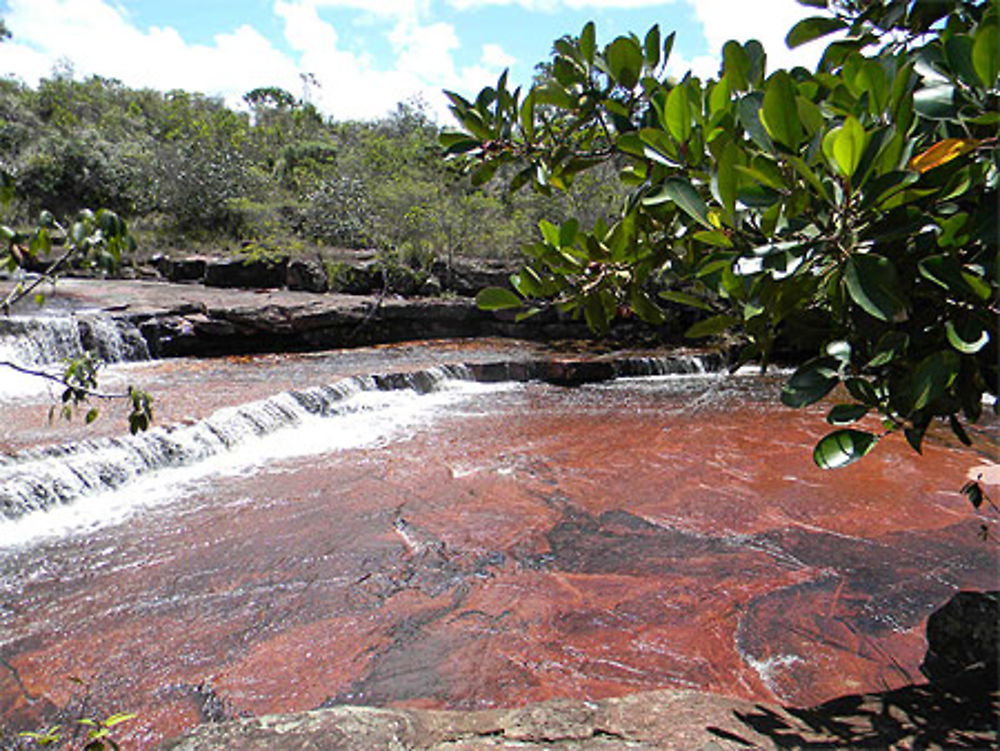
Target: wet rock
247 274
962 638
306 275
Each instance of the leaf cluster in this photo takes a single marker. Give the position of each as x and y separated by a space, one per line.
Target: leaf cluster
853 206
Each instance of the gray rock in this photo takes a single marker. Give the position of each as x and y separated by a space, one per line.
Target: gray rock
663 720
247 274
306 275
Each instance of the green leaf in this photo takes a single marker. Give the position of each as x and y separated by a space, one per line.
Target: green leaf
966 347
91 415
717 238
117 719
812 28
935 102
844 146
749 110
736 65
844 414
711 326
843 447
683 298
624 58
668 46
945 271
872 282
588 45
932 377
986 54
497 298
810 383
682 193
645 308
652 46
726 179
678 113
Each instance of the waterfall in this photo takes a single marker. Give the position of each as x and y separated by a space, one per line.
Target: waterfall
49 476
45 340
43 477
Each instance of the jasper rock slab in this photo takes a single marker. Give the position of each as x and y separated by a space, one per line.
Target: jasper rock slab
533 544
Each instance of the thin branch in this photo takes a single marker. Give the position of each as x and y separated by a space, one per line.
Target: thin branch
58 379
18 293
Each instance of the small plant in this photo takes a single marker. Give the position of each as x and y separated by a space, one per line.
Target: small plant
98 734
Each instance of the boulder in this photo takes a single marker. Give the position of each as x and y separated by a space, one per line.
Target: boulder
188 269
306 275
467 278
962 638
247 274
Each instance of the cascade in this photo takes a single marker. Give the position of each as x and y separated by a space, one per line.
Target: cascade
42 477
39 478
45 340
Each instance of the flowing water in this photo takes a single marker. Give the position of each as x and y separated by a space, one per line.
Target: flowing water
306 533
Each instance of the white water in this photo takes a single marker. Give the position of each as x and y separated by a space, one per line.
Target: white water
107 481
45 342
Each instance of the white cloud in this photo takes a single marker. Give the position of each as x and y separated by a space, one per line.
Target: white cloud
494 56
98 38
551 6
765 20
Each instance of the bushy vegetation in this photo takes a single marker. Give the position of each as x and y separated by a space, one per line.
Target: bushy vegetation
852 208
188 172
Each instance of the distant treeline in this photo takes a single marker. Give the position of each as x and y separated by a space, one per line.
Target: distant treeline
189 172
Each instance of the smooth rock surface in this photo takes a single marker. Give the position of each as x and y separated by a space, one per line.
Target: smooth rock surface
928 717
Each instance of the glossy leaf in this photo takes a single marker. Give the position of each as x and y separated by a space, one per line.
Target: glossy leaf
810 383
932 377
844 146
844 414
684 298
779 114
873 284
682 193
986 53
966 346
812 28
843 447
497 298
624 58
677 112
711 326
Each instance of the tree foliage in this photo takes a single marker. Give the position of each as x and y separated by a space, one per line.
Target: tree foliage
852 208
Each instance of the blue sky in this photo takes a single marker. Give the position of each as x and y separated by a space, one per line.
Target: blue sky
365 56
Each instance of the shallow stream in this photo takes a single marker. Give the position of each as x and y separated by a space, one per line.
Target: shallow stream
462 544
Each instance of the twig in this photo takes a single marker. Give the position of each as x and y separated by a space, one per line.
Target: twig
58 379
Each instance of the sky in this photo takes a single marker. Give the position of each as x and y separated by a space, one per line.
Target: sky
356 59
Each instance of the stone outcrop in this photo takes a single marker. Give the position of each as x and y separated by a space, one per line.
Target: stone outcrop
962 639
188 319
245 274
665 720
464 277
306 275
